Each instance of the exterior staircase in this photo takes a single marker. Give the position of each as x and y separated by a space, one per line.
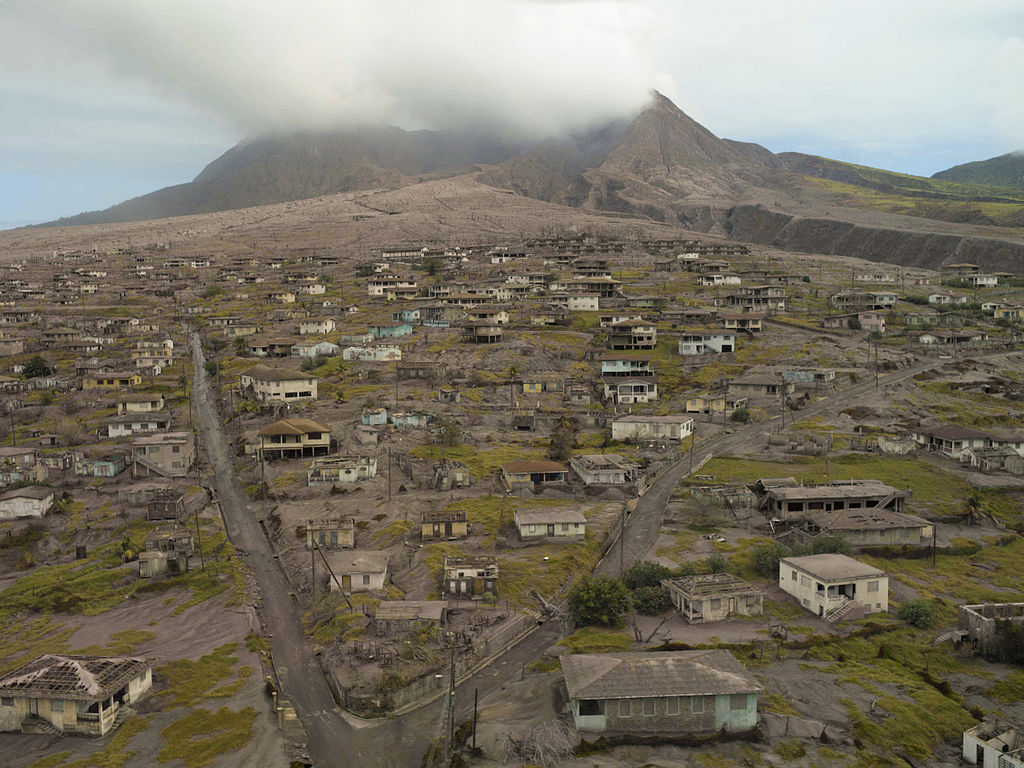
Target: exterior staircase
153 468
841 611
36 724
956 635
123 713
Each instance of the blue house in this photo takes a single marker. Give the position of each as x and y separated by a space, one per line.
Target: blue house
390 331
406 316
376 417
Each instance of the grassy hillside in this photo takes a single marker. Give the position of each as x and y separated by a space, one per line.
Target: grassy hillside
1005 171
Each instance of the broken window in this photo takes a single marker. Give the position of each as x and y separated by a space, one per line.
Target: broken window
591 707
737 702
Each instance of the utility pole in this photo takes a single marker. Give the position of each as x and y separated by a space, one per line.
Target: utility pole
475 698
450 716
312 567
622 541
876 365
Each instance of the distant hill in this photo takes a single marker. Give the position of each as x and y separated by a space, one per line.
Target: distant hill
1005 171
275 169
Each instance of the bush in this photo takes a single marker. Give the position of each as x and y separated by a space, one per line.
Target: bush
766 560
918 613
650 601
644 573
599 601
740 416
719 563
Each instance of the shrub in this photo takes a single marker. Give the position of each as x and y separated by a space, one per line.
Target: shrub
918 613
600 600
644 573
719 563
35 367
740 416
651 601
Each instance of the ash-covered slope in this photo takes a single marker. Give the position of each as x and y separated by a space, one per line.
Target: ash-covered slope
278 169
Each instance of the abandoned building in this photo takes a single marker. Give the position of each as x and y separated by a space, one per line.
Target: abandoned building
994 744
533 472
450 473
784 498
266 385
165 504
399 616
293 438
550 525
835 586
669 693
168 454
444 524
978 623
605 469
632 334
167 550
76 695
334 532
30 501
469 577
358 570
713 597
340 469
642 427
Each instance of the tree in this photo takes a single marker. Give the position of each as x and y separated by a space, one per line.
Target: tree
563 438
240 346
36 367
449 432
766 559
644 573
212 368
918 613
650 601
601 600
974 507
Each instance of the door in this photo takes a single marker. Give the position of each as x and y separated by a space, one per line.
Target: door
437 530
448 530
478 586
732 606
33 706
346 582
551 530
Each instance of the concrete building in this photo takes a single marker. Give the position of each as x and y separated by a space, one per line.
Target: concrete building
629 391
784 498
169 454
294 438
335 532
605 469
444 525
550 525
713 597
638 427
142 403
30 501
358 570
670 693
533 472
994 744
167 550
469 577
835 586
75 695
341 469
632 334
267 385
978 623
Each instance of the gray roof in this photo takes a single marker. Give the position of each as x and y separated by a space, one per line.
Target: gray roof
549 516
832 567
358 561
28 492
644 675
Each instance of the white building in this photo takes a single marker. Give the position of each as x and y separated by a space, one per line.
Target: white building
652 427
31 501
834 586
994 744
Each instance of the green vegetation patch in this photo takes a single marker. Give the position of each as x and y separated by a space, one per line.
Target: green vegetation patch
113 755
201 735
595 640
191 682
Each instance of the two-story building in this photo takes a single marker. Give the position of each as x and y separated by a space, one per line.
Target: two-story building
293 438
265 384
835 586
168 454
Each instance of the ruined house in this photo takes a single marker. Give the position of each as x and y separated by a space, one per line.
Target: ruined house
713 597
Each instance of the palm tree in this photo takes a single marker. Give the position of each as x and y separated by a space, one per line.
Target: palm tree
974 507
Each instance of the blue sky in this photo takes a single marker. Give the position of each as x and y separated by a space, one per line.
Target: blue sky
106 100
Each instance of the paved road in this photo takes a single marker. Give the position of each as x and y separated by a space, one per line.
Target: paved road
645 522
300 674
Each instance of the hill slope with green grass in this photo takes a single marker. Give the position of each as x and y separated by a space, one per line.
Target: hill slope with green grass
1005 171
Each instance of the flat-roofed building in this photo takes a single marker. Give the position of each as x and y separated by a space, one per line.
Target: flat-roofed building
835 586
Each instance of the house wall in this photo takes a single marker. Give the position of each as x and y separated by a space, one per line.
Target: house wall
804 589
24 507
374 582
990 757
714 713
564 532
